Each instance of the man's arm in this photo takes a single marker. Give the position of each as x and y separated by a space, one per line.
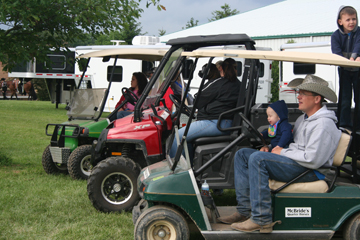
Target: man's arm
277 150
317 151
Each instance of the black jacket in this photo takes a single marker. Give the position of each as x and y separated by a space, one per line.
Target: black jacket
217 96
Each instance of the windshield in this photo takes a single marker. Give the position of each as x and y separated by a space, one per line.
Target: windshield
160 82
86 103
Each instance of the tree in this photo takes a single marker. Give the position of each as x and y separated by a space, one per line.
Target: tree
191 23
291 41
275 83
33 27
86 40
162 32
225 12
128 32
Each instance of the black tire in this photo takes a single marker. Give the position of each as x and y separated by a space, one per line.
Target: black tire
79 165
50 166
138 210
352 228
161 222
112 185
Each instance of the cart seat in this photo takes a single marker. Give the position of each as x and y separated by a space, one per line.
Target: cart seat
210 140
319 186
303 187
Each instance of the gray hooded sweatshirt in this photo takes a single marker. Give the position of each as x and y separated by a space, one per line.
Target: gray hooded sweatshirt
315 140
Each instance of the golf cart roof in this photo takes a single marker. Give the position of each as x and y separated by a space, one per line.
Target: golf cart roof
146 54
287 56
194 42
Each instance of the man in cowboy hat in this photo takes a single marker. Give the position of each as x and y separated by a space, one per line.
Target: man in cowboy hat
315 141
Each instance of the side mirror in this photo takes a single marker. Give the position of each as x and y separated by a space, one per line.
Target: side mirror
106 59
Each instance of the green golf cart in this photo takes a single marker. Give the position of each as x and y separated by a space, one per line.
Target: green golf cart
171 200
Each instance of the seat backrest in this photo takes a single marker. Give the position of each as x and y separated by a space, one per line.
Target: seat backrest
342 149
248 89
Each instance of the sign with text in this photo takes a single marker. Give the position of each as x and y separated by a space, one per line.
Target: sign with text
298 212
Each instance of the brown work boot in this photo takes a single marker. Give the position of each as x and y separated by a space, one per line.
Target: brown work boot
233 218
250 226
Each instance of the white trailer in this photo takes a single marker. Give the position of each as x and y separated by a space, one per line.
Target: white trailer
62 72
100 71
58 71
63 78
289 70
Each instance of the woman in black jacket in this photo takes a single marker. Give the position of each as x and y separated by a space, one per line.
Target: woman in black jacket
216 97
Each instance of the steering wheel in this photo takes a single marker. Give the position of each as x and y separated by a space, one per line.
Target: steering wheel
129 95
252 130
176 100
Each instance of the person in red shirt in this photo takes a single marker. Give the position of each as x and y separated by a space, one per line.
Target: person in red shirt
138 84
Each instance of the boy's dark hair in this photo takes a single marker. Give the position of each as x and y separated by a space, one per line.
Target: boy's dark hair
347 10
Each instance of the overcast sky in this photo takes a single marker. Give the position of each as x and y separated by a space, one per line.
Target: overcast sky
179 12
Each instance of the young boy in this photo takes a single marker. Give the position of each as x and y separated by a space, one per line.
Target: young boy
346 42
279 130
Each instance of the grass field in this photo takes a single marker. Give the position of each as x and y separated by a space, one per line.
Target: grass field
34 205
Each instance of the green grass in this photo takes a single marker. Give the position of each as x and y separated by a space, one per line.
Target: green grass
34 205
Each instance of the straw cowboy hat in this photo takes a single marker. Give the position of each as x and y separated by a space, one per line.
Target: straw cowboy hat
314 84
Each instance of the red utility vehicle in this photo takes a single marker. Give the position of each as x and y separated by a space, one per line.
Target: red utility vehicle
135 141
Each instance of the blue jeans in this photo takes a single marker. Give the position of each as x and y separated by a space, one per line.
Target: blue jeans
252 170
122 114
201 128
348 84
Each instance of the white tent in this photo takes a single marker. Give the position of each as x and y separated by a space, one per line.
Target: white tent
273 25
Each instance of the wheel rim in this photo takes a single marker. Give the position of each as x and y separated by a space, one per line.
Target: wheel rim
61 166
161 230
117 188
85 165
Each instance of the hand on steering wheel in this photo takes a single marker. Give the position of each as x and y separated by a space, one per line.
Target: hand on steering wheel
129 95
175 99
252 130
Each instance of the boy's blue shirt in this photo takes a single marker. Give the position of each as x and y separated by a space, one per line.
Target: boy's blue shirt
284 134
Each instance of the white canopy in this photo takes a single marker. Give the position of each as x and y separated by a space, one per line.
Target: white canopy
146 54
287 56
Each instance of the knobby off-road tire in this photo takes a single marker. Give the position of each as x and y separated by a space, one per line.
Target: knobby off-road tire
352 228
79 162
112 185
161 222
50 166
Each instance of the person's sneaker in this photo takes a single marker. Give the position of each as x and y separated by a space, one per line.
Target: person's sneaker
233 218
